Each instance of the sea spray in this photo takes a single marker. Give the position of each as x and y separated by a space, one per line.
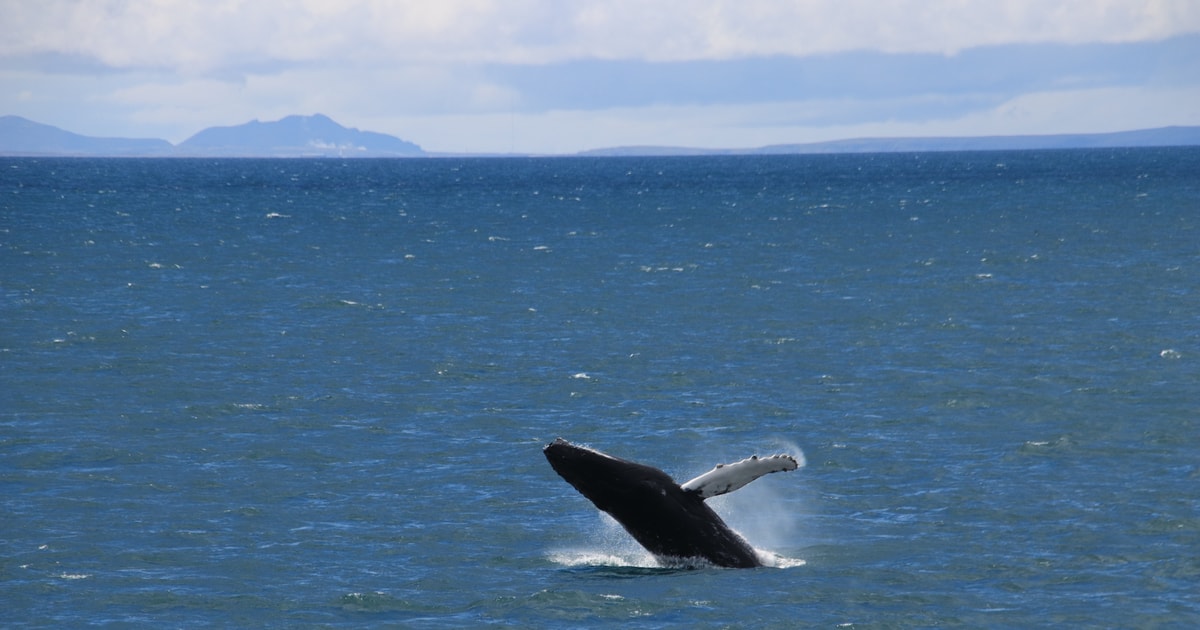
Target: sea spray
768 513
608 545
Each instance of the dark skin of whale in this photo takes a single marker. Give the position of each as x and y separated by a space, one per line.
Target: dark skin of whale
664 518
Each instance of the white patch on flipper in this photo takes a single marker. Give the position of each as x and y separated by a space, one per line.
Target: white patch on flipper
729 477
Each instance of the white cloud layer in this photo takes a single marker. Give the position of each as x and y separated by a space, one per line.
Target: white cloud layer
209 36
750 126
554 75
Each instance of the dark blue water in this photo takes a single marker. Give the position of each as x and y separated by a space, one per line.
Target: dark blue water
301 393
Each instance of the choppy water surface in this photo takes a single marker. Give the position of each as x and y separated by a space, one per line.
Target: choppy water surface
314 393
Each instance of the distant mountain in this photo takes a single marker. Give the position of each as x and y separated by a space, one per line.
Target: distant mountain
1161 137
319 136
21 136
295 136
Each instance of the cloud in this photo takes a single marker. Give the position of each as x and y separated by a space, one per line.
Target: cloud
752 125
189 104
992 72
1091 110
199 36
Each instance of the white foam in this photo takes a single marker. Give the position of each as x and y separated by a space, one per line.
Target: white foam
74 576
776 561
610 546
601 558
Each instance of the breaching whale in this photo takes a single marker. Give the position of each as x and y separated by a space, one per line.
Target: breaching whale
669 519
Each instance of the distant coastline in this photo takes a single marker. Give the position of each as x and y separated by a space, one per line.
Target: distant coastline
292 136
1161 137
319 136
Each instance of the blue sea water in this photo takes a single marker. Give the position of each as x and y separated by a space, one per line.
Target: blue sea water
313 393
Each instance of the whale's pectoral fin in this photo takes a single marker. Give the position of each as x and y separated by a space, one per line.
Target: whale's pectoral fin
729 477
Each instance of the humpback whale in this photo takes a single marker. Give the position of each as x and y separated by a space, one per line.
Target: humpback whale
669 519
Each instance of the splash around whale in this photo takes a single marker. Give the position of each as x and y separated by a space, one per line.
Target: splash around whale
669 519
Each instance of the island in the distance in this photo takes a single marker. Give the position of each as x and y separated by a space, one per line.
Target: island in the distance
319 136
293 136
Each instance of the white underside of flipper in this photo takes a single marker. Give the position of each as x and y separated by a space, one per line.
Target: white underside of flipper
729 477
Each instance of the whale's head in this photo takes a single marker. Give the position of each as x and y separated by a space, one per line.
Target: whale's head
608 481
575 462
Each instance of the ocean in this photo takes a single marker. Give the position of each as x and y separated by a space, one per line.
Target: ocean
314 393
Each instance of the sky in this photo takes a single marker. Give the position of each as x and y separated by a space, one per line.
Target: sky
561 76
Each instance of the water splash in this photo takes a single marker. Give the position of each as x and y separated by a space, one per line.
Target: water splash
766 512
776 561
611 546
